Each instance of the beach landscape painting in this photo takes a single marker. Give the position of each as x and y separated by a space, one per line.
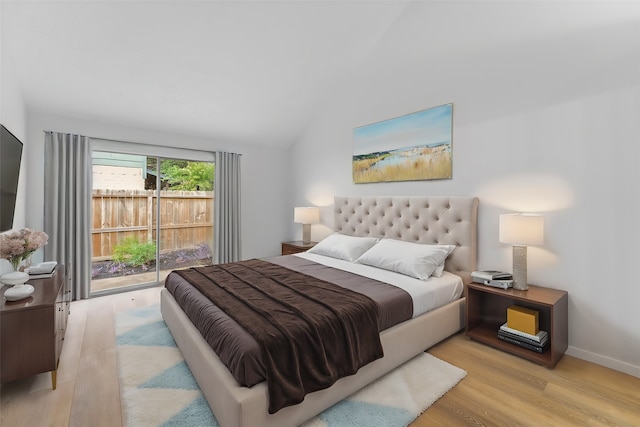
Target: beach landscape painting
413 147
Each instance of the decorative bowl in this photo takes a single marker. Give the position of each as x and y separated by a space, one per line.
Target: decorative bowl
18 292
14 278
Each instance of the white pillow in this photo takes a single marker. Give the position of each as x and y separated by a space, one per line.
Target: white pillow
344 247
439 271
412 259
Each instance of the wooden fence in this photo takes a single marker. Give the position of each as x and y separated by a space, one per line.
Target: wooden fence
186 219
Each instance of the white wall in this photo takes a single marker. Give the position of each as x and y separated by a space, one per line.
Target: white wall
13 117
542 126
264 199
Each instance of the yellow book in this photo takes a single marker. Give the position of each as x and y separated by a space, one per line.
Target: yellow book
523 319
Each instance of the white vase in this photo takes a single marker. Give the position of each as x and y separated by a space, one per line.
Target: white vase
14 278
18 292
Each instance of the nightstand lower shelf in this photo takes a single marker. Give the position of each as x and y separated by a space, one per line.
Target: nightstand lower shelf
487 333
487 311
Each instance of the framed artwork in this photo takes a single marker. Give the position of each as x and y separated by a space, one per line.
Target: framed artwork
413 147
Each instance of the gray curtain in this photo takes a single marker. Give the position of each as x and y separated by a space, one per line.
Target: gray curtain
226 231
67 207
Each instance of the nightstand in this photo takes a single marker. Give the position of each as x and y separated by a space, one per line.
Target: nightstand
32 329
296 246
487 310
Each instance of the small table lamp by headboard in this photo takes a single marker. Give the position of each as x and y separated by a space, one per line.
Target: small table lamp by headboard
306 216
521 230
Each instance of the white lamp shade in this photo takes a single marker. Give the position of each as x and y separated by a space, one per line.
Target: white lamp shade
522 229
306 215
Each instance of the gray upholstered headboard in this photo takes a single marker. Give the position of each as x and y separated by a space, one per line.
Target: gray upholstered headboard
434 220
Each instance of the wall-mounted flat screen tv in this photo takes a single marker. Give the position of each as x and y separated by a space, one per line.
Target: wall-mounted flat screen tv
10 157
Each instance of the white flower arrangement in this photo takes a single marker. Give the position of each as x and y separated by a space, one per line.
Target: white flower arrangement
16 246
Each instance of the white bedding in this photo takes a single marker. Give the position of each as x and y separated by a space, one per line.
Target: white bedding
426 294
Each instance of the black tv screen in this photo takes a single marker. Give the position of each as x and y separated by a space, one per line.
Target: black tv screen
10 157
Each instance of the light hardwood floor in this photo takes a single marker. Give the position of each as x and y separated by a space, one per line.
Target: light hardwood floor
499 389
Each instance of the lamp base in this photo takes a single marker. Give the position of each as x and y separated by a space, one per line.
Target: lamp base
520 268
306 233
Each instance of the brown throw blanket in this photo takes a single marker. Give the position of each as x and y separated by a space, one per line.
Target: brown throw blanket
311 332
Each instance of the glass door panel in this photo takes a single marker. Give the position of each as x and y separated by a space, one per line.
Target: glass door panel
186 214
123 253
130 247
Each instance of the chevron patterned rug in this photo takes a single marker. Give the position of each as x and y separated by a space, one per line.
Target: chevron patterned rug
157 388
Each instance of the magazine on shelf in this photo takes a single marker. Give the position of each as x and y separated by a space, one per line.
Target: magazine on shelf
538 337
490 275
533 347
542 342
502 284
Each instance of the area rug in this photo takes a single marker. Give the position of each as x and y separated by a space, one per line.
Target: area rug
157 388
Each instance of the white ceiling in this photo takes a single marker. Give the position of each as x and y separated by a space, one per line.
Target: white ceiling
253 72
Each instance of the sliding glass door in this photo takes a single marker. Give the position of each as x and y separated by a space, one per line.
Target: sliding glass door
151 215
185 213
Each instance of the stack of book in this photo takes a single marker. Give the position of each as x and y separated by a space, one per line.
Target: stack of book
42 270
497 279
538 342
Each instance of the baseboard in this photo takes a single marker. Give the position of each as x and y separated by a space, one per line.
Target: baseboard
608 362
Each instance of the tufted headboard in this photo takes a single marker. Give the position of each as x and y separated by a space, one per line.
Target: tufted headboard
434 220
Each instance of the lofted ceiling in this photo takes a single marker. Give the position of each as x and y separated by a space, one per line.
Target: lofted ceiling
234 70
252 72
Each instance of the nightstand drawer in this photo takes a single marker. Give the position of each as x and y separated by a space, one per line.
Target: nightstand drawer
289 248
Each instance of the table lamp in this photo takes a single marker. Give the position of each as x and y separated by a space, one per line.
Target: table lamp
521 230
306 216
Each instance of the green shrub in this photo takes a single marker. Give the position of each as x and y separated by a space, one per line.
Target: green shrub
131 251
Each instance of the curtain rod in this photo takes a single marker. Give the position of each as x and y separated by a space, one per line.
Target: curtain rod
144 143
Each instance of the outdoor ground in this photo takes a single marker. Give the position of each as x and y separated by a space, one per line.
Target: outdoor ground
168 261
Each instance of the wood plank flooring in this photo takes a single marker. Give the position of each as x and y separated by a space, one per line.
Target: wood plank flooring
499 390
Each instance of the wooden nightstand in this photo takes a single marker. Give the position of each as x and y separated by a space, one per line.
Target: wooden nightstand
487 310
296 246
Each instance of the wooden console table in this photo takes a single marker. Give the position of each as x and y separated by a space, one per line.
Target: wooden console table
32 329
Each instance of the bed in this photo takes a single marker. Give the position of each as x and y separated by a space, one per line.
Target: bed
427 220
